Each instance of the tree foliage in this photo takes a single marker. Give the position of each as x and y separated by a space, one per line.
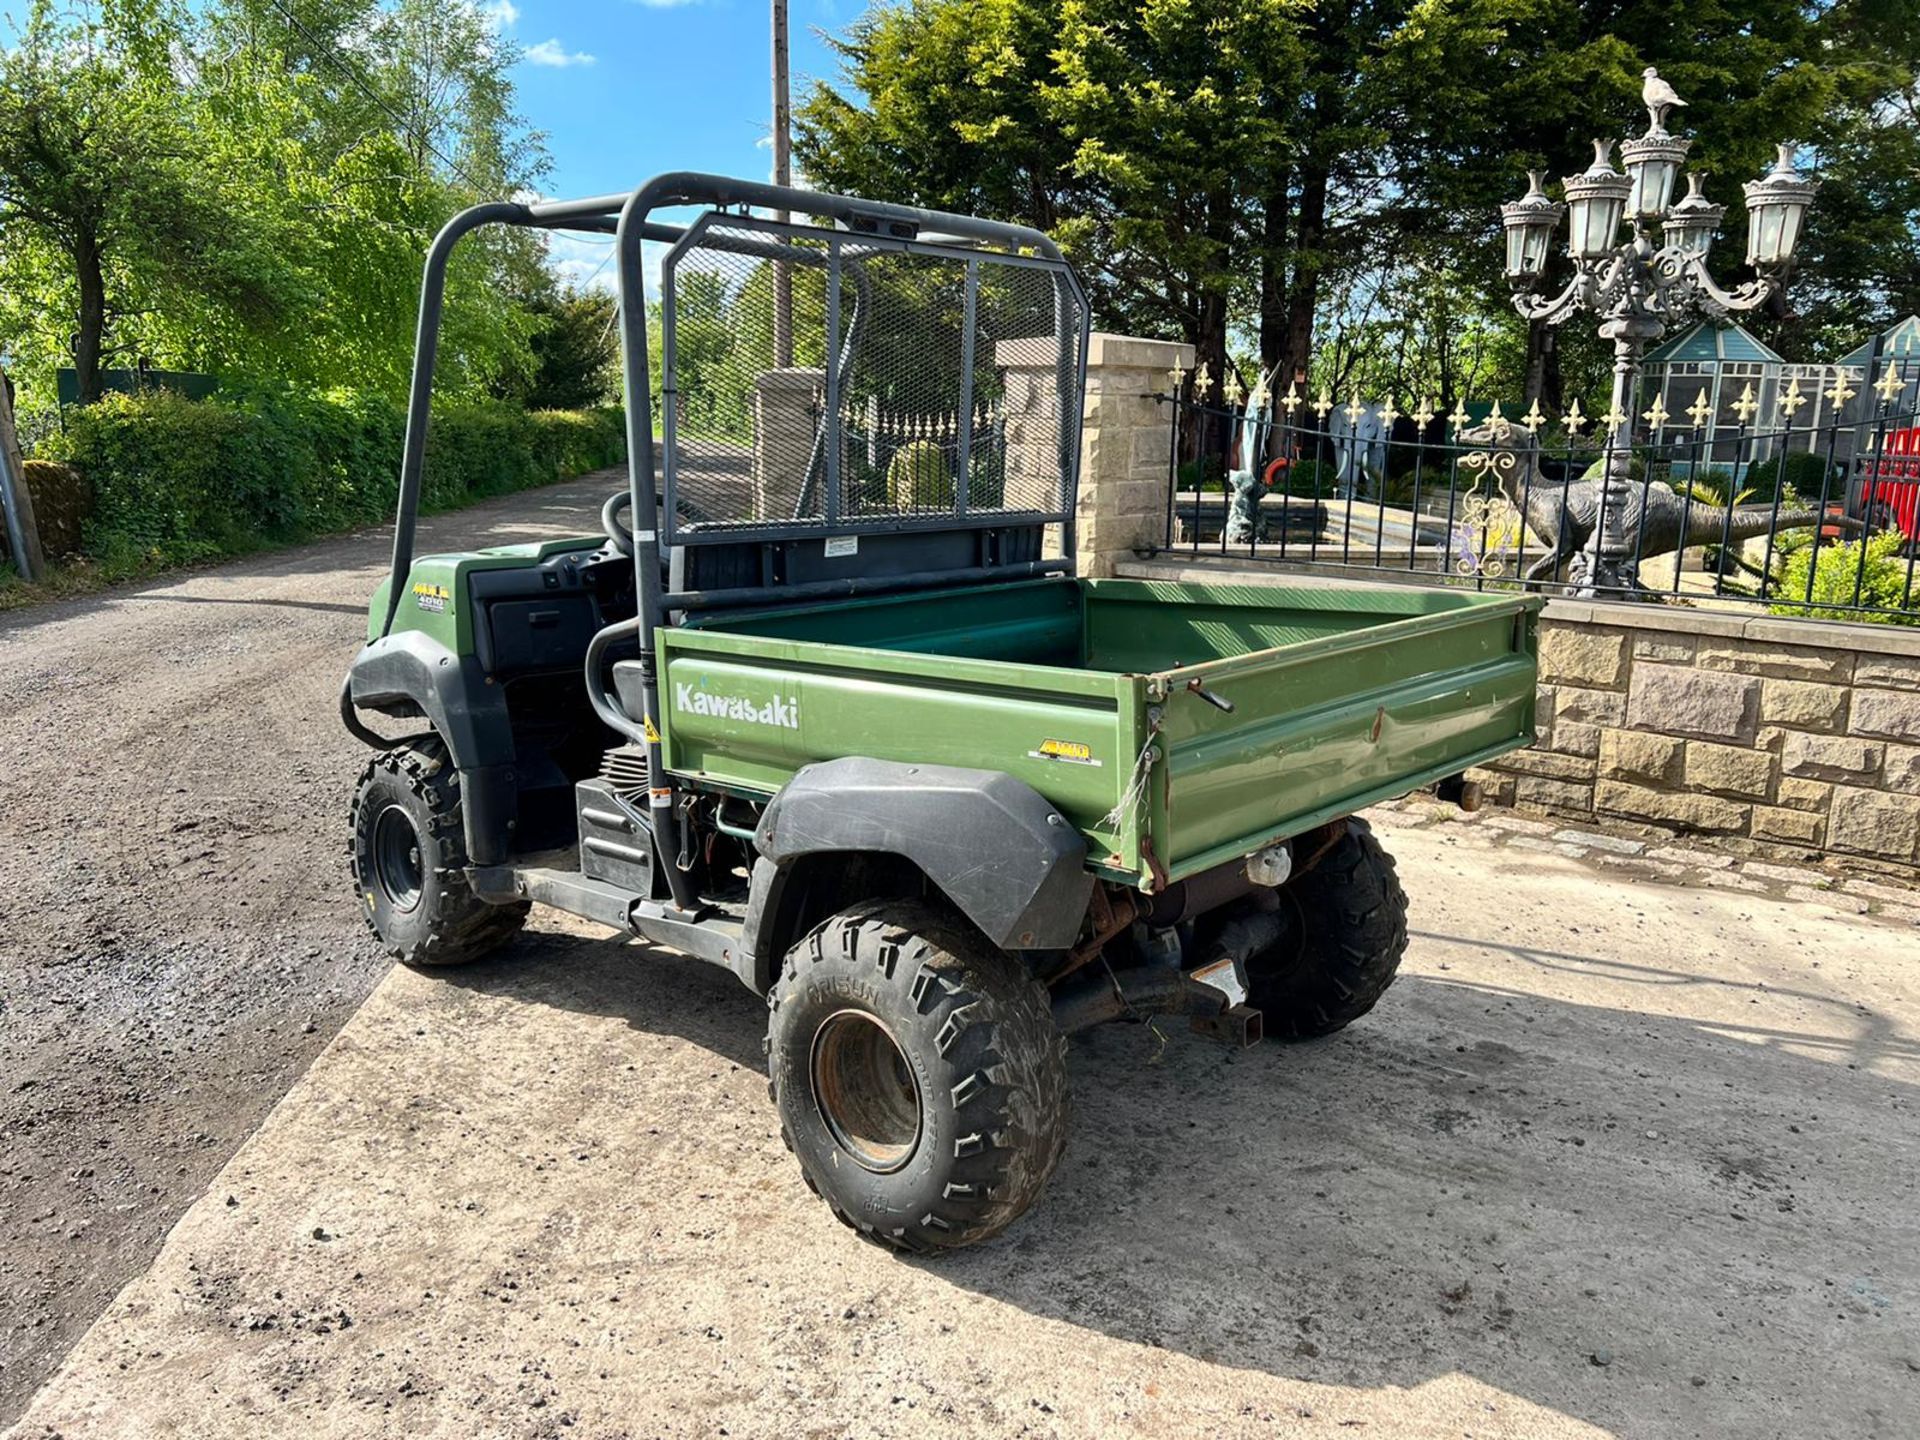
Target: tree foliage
248 187
1278 181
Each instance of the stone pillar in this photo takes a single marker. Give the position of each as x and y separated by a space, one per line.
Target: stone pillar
785 420
1126 439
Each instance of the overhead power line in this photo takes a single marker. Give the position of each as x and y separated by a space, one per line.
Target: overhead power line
333 57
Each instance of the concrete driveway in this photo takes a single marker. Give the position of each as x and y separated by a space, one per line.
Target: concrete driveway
1614 1157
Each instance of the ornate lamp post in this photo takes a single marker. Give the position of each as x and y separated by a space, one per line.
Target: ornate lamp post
1637 287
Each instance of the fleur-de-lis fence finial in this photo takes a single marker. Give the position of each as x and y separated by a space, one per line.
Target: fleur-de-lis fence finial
1792 399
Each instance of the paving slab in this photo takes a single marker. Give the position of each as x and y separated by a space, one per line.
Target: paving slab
1611 1159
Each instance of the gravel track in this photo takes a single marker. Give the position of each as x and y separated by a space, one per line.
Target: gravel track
175 945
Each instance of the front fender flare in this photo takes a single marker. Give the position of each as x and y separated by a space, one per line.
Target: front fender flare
468 712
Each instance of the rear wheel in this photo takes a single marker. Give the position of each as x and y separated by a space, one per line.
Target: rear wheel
920 1080
409 858
1343 947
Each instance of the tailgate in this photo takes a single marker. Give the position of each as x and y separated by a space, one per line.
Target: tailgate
1330 725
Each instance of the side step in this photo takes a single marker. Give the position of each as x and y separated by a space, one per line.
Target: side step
714 937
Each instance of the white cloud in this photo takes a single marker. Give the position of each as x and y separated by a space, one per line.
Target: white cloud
552 52
501 14
665 4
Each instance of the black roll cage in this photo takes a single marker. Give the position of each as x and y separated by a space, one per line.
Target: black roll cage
627 218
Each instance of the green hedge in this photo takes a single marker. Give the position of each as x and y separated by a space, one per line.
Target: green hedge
176 480
1842 577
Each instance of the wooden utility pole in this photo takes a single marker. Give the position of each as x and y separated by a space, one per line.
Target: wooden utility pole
23 536
782 175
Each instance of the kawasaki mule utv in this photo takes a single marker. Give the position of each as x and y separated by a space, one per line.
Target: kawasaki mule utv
825 707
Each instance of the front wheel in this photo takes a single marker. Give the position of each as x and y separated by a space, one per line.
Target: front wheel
409 858
1344 944
919 1076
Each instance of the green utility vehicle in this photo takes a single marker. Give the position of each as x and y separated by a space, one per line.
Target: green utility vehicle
823 705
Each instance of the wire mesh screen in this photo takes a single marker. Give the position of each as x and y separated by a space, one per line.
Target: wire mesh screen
820 380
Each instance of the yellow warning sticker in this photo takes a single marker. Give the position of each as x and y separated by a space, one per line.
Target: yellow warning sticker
646 725
1070 752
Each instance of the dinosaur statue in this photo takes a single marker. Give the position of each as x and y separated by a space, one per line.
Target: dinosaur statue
1658 521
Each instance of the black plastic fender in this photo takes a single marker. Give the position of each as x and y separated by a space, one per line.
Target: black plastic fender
470 714
993 845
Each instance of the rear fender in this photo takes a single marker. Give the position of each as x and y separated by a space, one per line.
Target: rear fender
992 845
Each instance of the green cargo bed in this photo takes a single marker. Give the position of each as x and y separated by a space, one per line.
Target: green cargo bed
1106 696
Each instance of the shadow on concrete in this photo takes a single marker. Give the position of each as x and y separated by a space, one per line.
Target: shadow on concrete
1658 1225
249 601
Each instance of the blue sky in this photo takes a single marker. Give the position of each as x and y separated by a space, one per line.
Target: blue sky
625 89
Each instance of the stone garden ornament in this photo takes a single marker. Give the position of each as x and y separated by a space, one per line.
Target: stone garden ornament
1246 487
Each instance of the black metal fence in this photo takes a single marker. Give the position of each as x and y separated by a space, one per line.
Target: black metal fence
1742 507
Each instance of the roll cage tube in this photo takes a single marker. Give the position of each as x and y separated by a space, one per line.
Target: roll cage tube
608 215
626 217
594 216
716 192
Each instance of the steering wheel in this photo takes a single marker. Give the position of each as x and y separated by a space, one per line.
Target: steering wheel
620 534
618 531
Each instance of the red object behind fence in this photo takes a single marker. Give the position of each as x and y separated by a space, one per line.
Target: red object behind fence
1894 481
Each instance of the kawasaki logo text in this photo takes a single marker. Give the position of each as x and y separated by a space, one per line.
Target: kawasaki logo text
785 713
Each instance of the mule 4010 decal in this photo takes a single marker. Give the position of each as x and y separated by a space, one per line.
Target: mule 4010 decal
1068 752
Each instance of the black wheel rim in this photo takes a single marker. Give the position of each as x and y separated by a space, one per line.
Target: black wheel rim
396 858
866 1091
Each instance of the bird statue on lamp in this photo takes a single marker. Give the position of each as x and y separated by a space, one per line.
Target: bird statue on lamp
1659 97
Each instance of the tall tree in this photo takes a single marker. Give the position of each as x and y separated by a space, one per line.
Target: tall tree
1277 158
99 163
248 187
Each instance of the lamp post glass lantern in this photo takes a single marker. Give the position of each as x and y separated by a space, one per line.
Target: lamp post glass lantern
1595 202
1689 227
1530 222
1776 205
1636 287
